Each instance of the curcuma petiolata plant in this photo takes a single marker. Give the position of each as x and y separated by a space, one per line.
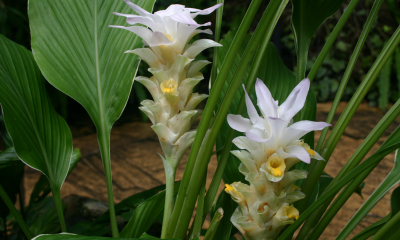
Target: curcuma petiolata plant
273 172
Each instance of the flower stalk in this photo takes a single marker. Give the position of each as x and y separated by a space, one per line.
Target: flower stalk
170 55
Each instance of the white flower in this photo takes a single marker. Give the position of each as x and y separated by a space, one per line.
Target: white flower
275 130
168 33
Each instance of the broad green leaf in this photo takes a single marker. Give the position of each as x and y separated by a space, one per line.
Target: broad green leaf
82 56
67 236
307 16
145 214
41 137
42 186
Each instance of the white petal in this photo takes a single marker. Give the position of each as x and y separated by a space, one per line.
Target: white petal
277 127
148 56
124 15
194 100
239 123
257 135
246 159
183 143
166 136
150 85
209 10
148 114
158 39
171 26
142 32
147 21
137 9
251 110
264 100
180 123
245 143
299 129
160 75
298 152
186 87
198 46
185 18
317 156
177 70
206 31
195 67
295 101
171 10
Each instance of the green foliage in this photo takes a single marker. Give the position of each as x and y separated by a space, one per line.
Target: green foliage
225 229
11 172
67 236
145 214
100 77
307 16
390 181
42 138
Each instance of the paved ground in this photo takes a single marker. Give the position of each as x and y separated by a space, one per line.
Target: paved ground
136 165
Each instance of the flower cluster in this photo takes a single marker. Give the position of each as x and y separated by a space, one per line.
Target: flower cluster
270 148
175 73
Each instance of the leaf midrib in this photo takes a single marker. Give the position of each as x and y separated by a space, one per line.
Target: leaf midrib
99 93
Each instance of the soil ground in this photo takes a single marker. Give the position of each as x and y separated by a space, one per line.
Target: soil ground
136 165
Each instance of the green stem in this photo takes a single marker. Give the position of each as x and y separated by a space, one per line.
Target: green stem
198 221
209 109
60 212
218 24
375 158
213 189
214 224
204 156
15 213
104 143
310 183
169 196
302 55
391 225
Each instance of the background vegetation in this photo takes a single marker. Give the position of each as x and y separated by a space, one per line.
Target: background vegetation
14 25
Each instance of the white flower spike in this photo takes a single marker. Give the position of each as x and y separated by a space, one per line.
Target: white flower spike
168 33
274 128
270 148
175 73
